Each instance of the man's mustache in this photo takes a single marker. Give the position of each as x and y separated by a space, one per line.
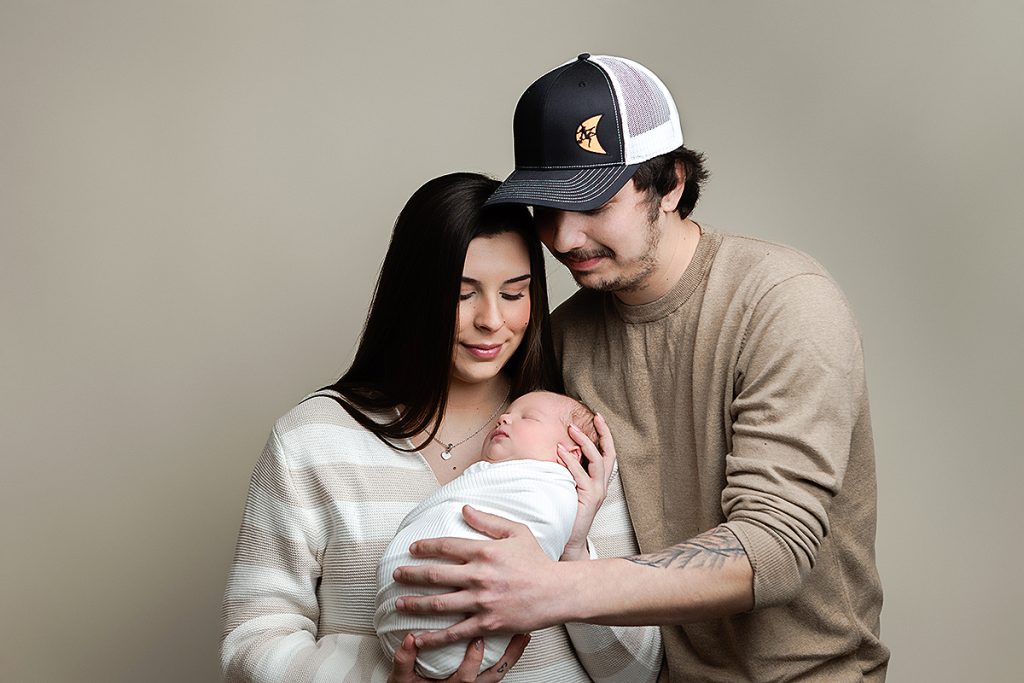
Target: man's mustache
583 254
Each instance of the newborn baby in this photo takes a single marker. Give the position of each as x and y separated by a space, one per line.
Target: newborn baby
519 478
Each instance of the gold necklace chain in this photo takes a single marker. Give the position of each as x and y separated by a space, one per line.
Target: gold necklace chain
446 454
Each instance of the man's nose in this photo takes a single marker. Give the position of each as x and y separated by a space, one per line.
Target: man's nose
566 231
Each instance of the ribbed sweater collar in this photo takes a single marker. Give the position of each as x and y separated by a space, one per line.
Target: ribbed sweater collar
684 288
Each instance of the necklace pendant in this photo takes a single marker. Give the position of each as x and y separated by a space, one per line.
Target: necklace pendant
446 454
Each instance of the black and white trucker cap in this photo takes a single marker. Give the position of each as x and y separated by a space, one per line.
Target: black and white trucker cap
582 130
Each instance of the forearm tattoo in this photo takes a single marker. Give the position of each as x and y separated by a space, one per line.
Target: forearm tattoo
710 550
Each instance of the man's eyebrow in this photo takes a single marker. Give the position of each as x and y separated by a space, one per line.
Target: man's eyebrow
511 280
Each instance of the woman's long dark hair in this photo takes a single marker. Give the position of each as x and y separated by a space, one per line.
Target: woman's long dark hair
406 348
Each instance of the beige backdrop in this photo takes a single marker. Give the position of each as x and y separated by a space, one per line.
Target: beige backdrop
195 197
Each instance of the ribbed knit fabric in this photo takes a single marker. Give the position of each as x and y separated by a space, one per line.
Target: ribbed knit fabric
739 398
541 495
325 500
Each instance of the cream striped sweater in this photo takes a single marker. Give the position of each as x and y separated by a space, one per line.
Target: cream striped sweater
325 500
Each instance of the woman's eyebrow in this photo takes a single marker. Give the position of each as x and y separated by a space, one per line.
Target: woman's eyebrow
511 280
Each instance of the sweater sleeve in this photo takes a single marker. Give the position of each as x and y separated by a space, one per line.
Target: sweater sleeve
271 610
799 385
616 654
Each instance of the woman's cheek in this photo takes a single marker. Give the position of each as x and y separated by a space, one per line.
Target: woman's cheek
519 318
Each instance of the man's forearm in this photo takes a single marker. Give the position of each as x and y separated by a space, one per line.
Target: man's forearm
713 550
508 585
706 577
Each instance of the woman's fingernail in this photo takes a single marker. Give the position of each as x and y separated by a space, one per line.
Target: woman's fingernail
478 644
399 603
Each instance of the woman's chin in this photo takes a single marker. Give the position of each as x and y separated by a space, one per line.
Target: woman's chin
478 371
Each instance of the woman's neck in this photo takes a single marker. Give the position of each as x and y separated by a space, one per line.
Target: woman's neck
466 398
472 408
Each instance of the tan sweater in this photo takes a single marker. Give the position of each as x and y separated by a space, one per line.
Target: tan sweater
739 398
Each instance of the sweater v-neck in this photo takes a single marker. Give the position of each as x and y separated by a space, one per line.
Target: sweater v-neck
681 291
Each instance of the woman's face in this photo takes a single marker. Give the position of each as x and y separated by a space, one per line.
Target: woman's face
494 306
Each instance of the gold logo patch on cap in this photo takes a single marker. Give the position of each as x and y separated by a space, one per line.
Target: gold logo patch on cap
586 135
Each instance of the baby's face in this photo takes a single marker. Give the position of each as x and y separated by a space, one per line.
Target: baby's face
531 430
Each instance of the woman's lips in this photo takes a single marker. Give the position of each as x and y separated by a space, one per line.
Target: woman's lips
483 351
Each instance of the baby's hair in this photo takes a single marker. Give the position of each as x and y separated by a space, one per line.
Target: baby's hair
583 417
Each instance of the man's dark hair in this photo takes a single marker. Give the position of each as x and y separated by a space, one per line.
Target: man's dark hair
657 177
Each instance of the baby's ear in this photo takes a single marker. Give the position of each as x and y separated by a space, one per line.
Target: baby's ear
575 449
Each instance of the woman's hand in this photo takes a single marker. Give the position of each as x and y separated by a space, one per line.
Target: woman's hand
591 483
404 668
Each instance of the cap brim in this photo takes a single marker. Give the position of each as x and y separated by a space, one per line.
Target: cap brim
571 190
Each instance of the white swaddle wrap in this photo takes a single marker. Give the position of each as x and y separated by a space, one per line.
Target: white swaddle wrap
541 495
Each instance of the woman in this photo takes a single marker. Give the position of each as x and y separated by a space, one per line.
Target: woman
458 327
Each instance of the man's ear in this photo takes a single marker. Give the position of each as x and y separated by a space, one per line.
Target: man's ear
670 202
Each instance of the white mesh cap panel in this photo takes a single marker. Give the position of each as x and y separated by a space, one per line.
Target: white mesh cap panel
650 120
639 95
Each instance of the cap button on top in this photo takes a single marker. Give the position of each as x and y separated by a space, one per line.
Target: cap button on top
584 57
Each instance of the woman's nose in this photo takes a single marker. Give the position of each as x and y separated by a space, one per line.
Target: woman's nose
488 317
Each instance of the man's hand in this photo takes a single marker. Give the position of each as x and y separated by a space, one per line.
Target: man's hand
507 585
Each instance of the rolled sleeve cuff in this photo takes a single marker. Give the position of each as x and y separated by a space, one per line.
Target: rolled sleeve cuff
776 573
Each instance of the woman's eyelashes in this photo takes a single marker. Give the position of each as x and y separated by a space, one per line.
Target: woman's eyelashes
507 296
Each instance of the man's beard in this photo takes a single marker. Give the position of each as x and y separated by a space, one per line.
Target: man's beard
635 272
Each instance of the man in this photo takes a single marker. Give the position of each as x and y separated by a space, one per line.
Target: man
731 374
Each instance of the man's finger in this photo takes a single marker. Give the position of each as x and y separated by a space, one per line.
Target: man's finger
448 575
460 602
492 525
456 549
470 628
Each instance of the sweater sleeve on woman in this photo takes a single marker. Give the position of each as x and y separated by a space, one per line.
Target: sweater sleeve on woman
271 611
